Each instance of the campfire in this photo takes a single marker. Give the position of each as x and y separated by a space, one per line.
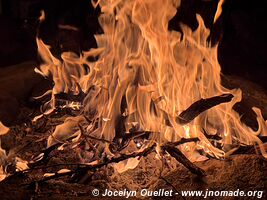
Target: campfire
144 95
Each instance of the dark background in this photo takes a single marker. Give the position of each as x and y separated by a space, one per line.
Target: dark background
240 31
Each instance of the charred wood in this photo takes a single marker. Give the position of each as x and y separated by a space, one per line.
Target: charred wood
181 158
200 106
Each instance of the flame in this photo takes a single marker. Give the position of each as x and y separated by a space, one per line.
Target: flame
218 11
3 129
149 71
10 158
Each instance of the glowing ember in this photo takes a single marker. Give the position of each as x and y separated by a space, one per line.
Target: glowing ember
146 75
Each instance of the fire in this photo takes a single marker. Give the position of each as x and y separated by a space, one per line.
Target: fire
10 158
3 130
146 75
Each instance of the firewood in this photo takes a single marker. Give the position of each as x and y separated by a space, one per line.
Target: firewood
200 106
70 97
181 158
84 168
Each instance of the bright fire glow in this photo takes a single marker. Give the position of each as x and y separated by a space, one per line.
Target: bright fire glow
155 71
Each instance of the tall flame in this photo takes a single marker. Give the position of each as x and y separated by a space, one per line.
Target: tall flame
154 74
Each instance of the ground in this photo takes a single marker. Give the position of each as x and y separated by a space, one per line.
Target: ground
244 171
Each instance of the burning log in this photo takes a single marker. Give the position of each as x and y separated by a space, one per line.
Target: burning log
125 140
200 106
64 97
185 117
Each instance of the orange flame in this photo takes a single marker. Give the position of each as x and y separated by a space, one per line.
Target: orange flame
157 71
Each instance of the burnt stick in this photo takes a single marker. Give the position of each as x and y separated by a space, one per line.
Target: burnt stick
181 158
200 106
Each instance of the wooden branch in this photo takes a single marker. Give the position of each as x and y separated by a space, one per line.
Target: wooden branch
183 141
180 157
200 106
122 157
118 146
170 148
70 97
43 157
86 168
185 117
